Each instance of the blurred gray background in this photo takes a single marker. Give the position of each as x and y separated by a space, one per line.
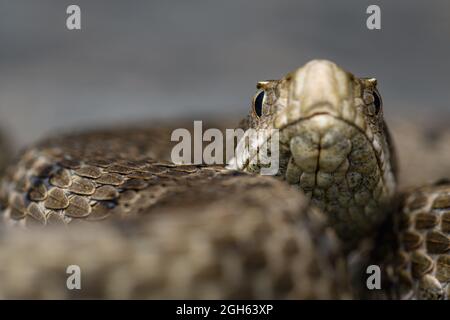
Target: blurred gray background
159 59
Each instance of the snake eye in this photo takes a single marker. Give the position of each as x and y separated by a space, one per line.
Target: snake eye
258 104
377 101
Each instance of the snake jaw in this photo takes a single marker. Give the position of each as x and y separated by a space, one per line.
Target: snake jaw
336 166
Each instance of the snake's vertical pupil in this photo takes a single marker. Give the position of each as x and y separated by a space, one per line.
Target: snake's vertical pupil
258 104
377 101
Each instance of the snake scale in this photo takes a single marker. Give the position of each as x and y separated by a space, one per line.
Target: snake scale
140 226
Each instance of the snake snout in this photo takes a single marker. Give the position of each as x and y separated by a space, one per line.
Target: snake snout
320 87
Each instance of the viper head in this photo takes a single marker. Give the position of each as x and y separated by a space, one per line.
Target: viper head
333 141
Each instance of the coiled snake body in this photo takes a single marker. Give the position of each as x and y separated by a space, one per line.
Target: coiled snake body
198 231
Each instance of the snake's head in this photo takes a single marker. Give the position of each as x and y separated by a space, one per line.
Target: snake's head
333 142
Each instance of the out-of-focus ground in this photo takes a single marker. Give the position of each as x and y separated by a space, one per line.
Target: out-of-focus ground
146 59
423 148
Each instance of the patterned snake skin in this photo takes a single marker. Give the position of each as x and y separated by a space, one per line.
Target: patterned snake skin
196 231
419 267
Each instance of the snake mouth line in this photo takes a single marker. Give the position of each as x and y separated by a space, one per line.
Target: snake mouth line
323 121
336 118
323 113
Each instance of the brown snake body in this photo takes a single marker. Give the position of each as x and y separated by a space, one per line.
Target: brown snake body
195 231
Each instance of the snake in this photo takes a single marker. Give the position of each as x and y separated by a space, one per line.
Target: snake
140 226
